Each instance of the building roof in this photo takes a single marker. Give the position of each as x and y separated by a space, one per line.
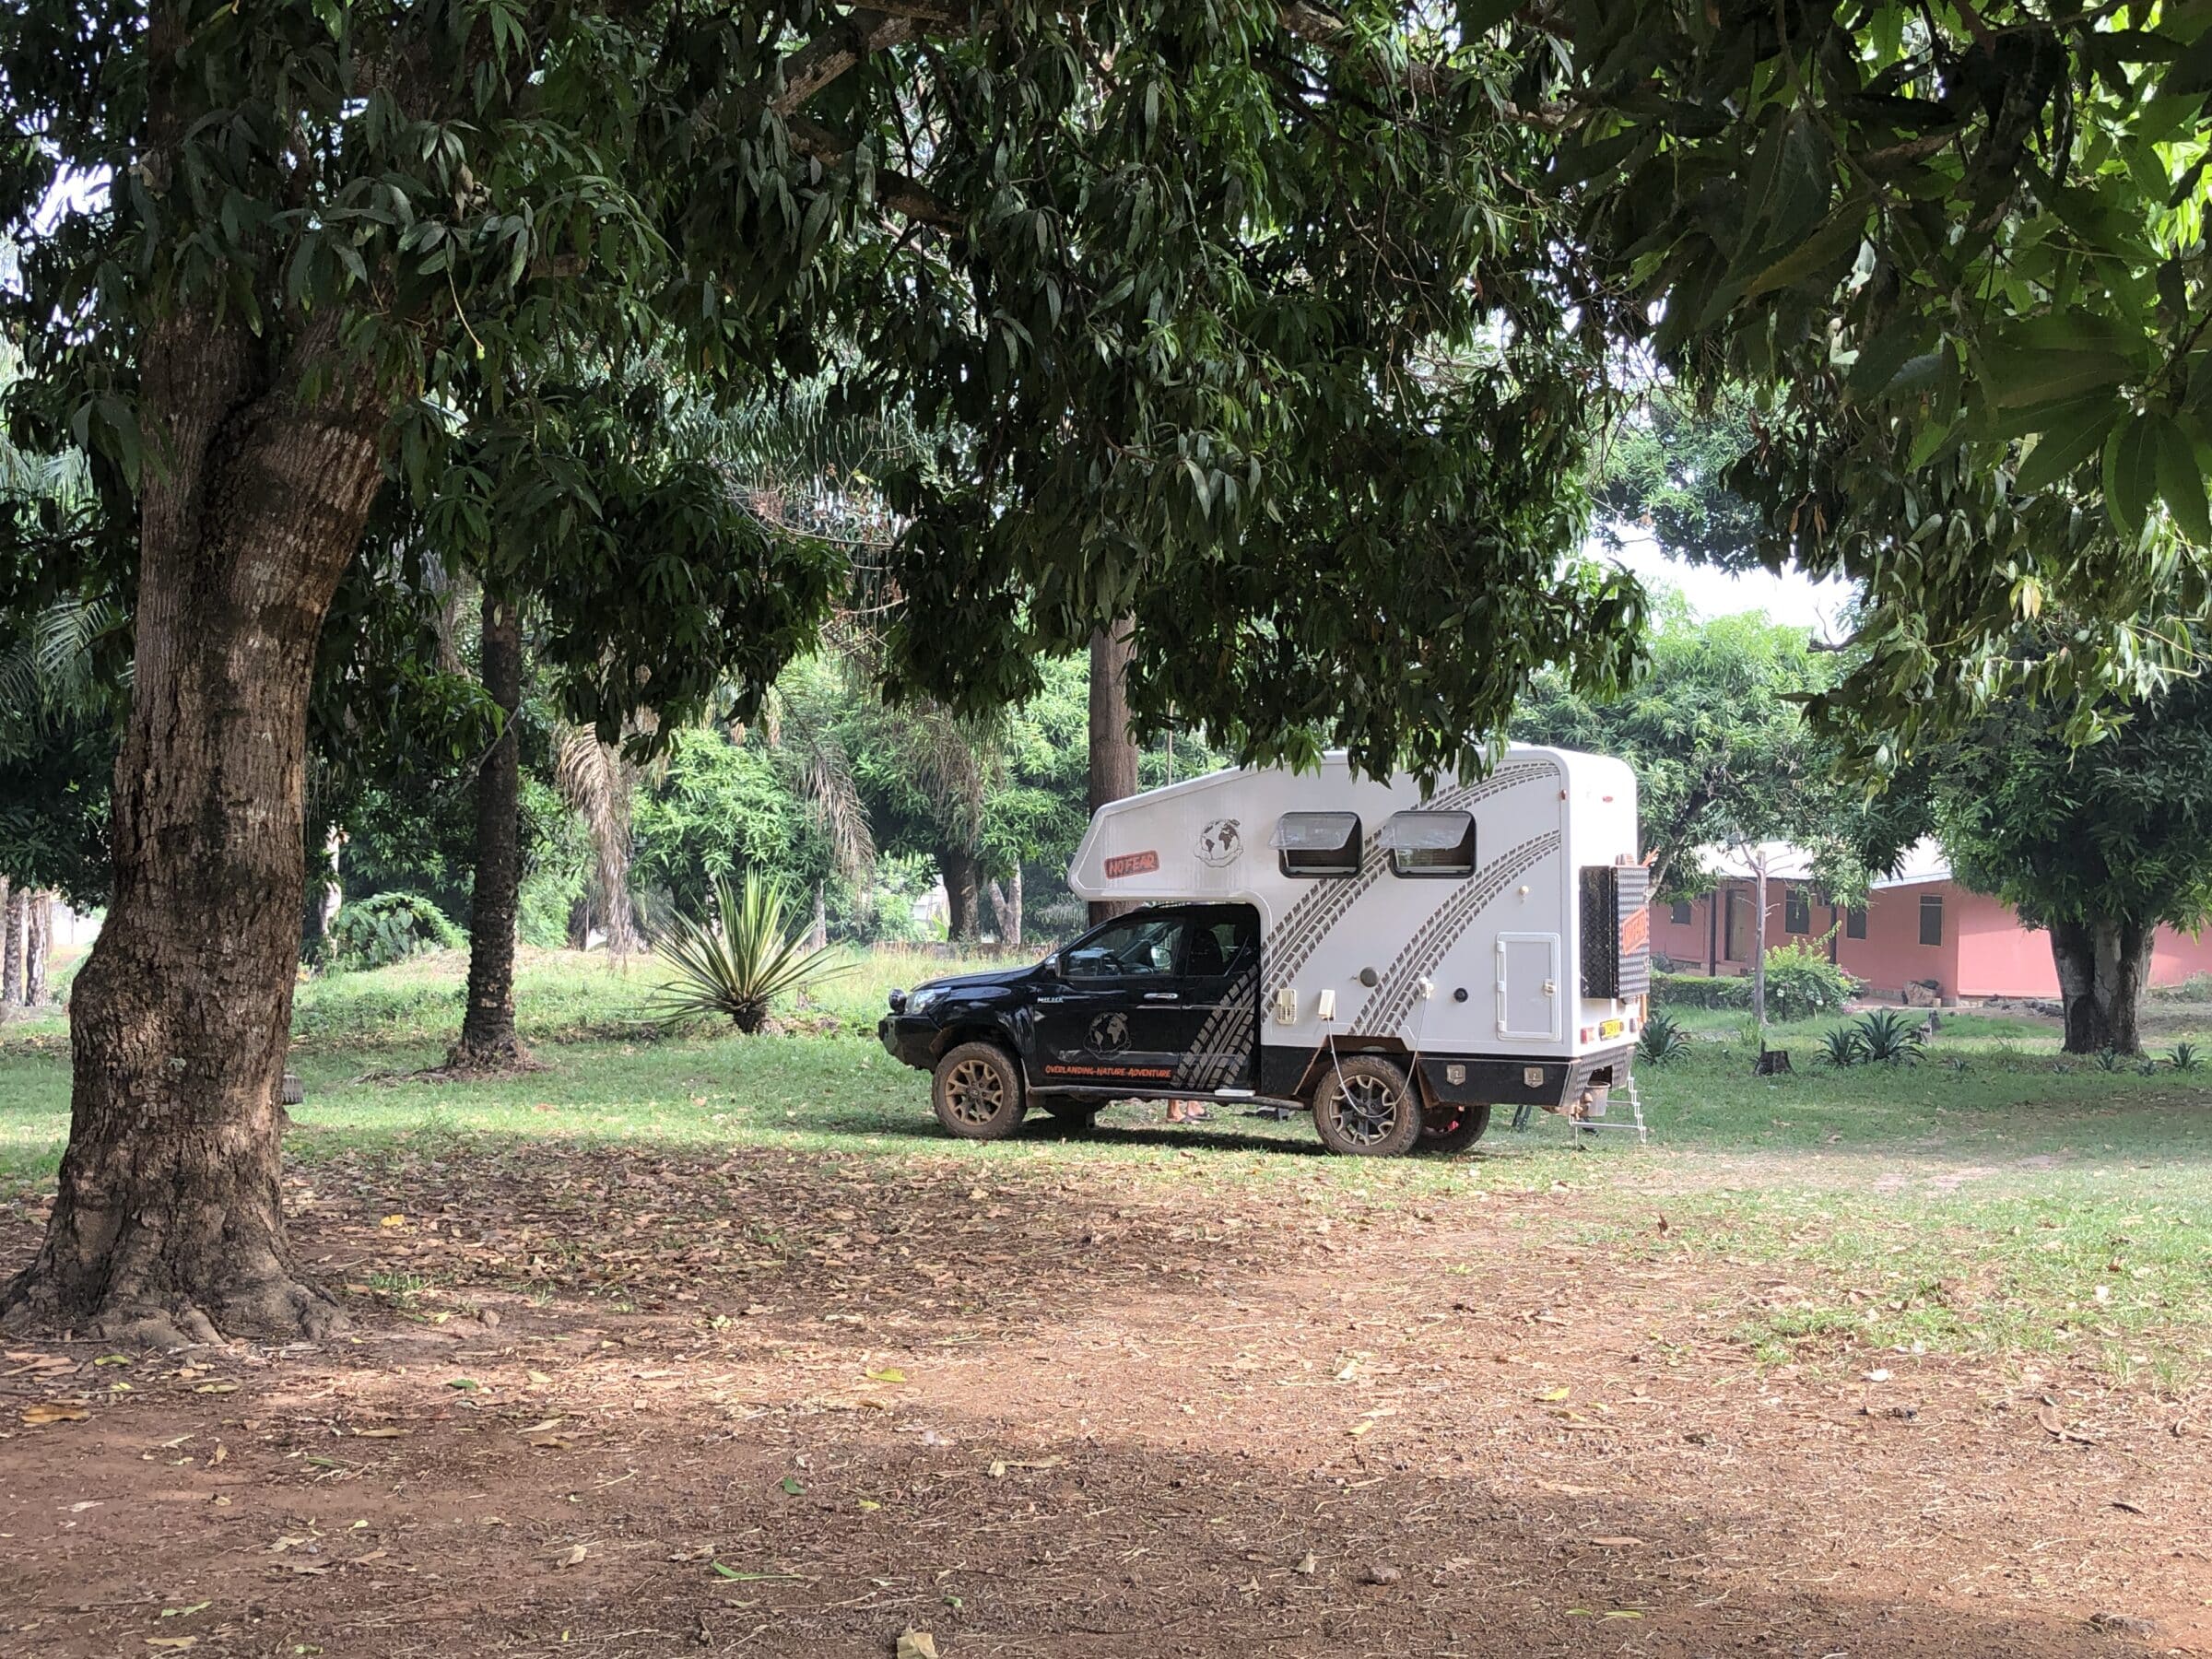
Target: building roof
1923 860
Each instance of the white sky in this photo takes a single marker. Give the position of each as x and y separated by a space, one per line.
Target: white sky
1788 598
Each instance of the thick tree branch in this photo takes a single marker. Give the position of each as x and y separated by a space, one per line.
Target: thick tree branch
895 191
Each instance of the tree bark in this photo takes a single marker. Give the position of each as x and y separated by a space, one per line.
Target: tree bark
2103 969
1758 943
1006 906
12 915
168 1224
487 1040
37 941
957 864
1113 751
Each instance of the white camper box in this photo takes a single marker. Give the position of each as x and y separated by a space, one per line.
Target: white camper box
1492 935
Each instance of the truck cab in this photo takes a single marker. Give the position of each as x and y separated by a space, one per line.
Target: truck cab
1164 1000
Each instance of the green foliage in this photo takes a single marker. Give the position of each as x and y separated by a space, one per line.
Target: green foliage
1664 474
1841 1046
2183 1057
386 928
1802 984
1887 1037
1799 202
737 960
2119 830
2109 1060
1662 1041
1716 732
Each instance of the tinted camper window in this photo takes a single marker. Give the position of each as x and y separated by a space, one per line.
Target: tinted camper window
1318 843
1430 843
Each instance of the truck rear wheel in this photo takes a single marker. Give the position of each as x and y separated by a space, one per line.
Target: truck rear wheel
1453 1128
1363 1107
977 1092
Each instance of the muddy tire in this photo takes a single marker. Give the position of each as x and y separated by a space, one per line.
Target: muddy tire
1453 1128
977 1092
1364 1108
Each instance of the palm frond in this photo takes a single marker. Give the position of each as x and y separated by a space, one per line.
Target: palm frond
597 780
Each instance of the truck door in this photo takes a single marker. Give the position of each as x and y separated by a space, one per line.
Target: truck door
1217 1019
1114 1017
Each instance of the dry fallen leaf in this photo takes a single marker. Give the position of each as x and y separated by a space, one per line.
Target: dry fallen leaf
172 1642
54 1411
378 1433
917 1644
313 1566
218 1455
573 1554
1618 1541
1305 1568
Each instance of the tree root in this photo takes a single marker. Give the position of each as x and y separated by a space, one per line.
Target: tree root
471 1063
285 1309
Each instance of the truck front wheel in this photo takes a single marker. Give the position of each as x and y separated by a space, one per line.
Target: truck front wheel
977 1092
1363 1107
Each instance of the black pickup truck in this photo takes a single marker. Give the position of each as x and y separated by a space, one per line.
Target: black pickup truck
1160 1004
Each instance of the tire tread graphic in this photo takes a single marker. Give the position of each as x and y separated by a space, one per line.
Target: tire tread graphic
1386 1007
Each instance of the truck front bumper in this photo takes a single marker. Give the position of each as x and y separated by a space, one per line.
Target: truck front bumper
909 1038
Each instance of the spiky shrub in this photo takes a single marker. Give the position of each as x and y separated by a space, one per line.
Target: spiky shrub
2183 1057
1664 1041
1841 1046
737 960
1887 1037
2109 1059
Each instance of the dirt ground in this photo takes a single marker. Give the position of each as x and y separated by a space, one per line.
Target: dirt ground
612 1404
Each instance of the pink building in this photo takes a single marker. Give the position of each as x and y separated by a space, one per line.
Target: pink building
1918 927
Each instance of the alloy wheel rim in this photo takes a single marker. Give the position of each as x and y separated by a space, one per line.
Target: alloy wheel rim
1366 1110
974 1092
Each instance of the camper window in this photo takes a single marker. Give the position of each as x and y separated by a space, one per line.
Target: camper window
1318 843
1430 843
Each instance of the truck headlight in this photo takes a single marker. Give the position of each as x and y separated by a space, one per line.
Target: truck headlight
918 1002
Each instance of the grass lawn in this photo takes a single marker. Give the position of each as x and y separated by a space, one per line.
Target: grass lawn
1992 1199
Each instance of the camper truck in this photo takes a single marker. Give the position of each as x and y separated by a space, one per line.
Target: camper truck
1398 962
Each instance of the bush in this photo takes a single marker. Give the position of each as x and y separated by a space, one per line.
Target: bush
387 928
1801 985
738 959
1887 1037
1841 1046
1663 1040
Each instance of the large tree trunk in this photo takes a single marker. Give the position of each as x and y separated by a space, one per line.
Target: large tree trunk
957 864
1006 905
1113 751
12 916
38 942
488 1040
1758 944
2103 969
168 1224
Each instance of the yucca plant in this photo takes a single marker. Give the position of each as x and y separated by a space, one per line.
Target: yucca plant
748 951
1841 1046
1663 1040
2109 1059
2183 1057
1887 1037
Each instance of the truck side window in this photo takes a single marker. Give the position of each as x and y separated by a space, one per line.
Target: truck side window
1129 948
1430 843
1318 843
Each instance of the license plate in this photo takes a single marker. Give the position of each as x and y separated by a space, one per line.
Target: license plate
1611 1028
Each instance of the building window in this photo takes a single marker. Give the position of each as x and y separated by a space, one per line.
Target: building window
1855 922
1318 843
1430 843
1931 918
1796 911
1679 912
